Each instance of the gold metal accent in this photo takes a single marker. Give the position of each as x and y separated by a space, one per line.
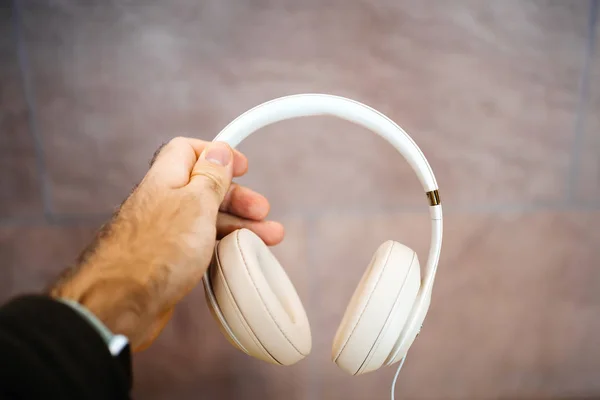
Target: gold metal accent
434 197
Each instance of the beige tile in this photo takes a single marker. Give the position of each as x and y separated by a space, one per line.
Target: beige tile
191 358
19 185
13 108
514 309
20 194
487 89
588 167
34 256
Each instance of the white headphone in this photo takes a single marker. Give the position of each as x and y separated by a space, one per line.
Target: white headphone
257 306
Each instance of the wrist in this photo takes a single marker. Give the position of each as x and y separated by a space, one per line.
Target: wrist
120 304
115 342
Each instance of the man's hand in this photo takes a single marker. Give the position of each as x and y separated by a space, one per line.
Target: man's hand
160 242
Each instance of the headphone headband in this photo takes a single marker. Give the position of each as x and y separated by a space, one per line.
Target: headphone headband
304 105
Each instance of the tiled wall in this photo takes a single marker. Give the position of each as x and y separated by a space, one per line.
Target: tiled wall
502 96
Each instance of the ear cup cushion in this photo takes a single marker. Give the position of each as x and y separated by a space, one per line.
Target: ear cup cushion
258 300
378 309
233 319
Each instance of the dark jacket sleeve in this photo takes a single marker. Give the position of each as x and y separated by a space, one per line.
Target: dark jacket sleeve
49 351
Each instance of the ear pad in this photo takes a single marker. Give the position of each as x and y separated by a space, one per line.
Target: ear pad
258 301
378 309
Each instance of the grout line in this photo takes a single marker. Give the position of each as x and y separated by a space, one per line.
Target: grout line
464 209
40 158
313 216
22 221
519 208
584 84
55 220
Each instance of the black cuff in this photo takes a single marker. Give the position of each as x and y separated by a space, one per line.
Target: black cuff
50 351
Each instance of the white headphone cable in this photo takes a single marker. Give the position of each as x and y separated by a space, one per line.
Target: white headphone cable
396 376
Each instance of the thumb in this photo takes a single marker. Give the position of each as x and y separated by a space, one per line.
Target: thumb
212 174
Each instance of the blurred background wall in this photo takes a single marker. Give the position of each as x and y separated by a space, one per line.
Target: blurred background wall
502 96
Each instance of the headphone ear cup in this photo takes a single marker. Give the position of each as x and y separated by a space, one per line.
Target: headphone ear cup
408 335
258 301
378 309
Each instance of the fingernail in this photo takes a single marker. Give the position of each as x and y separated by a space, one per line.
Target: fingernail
218 153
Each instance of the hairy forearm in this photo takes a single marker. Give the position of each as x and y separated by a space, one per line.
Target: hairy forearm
136 268
104 280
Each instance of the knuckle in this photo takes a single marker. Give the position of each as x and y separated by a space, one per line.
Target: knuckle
178 139
157 153
175 142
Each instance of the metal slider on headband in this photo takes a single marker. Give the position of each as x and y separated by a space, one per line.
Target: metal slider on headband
434 198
